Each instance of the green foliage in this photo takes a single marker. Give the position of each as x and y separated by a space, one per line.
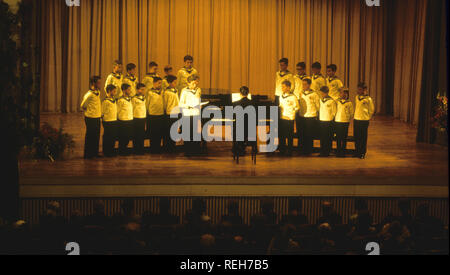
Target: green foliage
16 78
51 143
439 121
9 84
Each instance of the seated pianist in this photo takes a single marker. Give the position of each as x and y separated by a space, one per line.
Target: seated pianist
244 100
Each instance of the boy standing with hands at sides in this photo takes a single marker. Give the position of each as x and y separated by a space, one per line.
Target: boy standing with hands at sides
282 75
334 84
363 114
155 118
125 119
190 100
171 102
318 81
116 78
309 108
299 77
344 115
109 115
327 115
149 78
289 107
185 72
92 107
139 119
131 79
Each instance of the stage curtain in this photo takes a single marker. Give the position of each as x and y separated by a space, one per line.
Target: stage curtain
51 22
235 43
435 79
408 58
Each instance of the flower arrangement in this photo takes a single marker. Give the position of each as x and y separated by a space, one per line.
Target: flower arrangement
439 120
51 143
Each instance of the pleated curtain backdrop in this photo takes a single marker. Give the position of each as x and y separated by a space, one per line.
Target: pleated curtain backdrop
235 43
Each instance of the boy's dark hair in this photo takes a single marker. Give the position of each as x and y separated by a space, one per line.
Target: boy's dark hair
171 78
167 68
94 79
362 85
110 88
301 65
325 89
156 79
131 66
140 86
152 64
193 78
333 67
117 62
188 58
125 87
316 65
287 83
284 60
244 90
307 80
347 92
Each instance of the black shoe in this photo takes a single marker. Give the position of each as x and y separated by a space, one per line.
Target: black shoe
363 156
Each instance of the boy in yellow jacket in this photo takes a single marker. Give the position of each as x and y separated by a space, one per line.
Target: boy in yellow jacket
116 78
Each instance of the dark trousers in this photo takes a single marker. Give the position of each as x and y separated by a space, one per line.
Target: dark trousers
300 125
326 137
125 134
138 135
92 138
277 103
309 135
277 100
155 125
361 128
169 144
341 137
109 138
191 146
286 133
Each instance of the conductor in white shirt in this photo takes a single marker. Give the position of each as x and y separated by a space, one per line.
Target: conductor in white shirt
190 103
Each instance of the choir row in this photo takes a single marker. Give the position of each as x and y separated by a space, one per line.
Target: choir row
145 108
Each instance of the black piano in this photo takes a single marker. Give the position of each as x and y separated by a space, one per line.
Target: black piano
223 100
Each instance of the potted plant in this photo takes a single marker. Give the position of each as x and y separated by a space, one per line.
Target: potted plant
439 121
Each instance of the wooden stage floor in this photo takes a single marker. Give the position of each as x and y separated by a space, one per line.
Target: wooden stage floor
396 166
